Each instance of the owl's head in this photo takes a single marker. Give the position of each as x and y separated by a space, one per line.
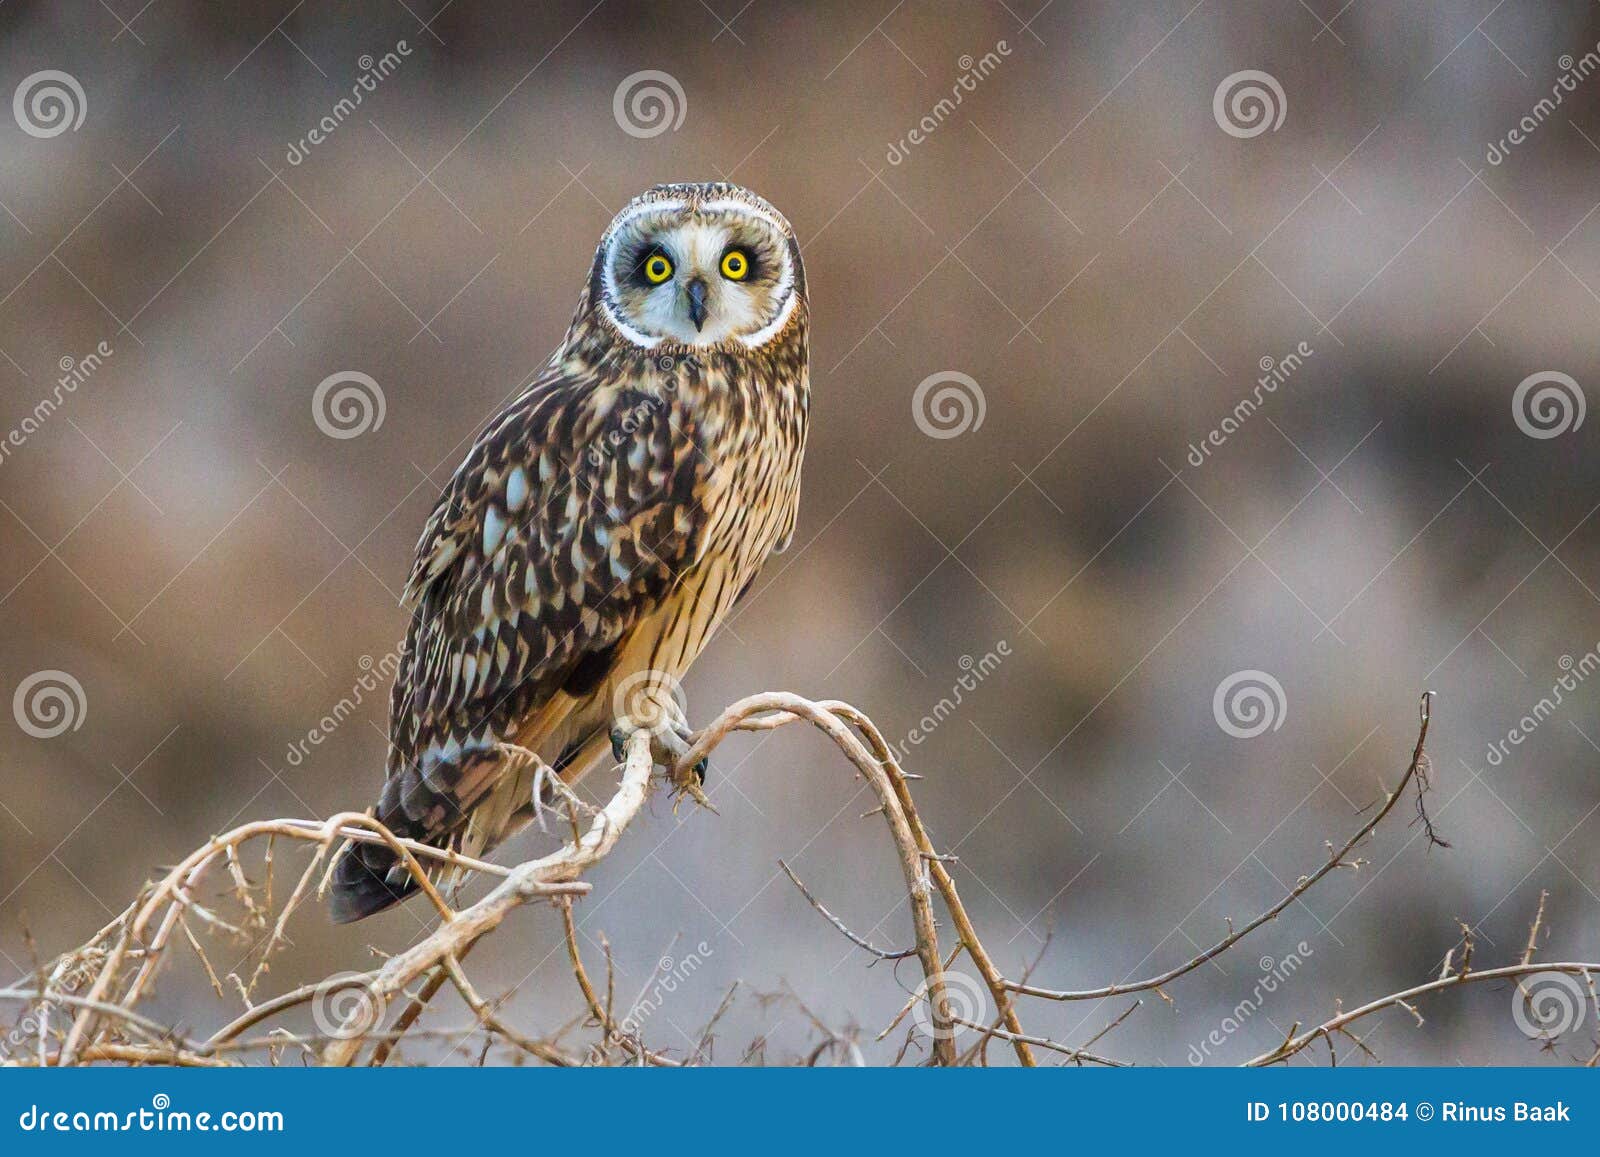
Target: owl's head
698 265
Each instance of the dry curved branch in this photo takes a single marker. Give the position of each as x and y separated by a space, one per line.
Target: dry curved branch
602 1011
119 963
1302 886
1403 999
920 864
172 895
526 882
844 930
905 840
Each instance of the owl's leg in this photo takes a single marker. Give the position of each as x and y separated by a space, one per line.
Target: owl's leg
669 743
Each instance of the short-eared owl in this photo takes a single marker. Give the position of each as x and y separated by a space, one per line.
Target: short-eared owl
601 526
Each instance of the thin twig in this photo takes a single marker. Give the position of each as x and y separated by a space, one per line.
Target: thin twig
1304 885
858 941
1405 998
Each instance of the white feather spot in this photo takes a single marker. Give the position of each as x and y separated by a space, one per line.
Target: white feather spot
516 489
494 530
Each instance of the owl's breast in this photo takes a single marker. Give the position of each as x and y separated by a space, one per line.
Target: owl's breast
752 486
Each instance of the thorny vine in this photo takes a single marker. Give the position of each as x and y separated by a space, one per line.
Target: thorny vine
83 1007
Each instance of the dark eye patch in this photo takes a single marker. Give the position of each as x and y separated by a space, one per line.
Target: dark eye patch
633 263
757 264
758 251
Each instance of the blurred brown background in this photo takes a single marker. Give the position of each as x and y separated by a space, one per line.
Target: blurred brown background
1083 239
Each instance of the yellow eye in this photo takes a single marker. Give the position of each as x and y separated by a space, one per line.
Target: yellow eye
735 265
657 268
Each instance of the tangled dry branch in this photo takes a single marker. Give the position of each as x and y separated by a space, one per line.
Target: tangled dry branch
84 1007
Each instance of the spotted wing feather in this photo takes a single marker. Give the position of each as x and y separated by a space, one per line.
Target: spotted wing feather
573 515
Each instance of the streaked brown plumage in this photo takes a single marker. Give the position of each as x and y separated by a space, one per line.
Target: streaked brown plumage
602 524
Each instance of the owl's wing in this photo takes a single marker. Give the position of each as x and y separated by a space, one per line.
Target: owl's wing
573 515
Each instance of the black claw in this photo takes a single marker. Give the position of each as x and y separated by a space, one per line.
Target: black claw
700 770
619 744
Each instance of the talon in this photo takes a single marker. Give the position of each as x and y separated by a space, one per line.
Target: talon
619 744
676 744
690 786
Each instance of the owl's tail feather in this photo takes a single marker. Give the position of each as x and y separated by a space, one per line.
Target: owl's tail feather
470 803
367 879
458 803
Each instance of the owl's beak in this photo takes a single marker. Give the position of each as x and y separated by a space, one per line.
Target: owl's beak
697 303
